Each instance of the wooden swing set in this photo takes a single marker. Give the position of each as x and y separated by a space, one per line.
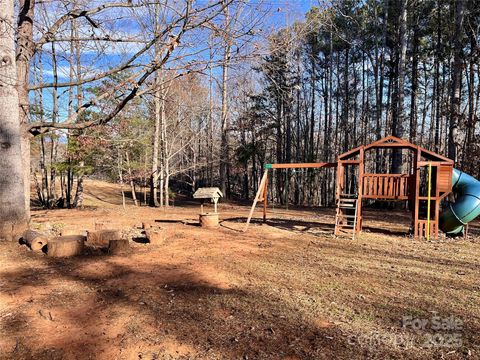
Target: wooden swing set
262 188
385 187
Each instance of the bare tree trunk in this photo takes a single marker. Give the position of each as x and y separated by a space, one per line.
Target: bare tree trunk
224 160
156 137
413 96
436 78
163 144
130 178
154 175
13 209
25 47
398 116
78 200
455 114
210 121
120 177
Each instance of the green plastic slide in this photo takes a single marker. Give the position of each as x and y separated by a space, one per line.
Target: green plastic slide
466 206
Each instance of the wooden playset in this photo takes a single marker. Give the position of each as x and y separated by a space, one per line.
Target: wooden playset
424 185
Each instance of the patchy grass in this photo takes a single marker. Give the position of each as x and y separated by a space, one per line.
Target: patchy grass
283 290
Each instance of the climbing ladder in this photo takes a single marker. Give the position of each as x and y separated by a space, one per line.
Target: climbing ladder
346 217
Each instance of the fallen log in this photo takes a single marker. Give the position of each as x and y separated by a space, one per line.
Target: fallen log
34 240
156 236
102 238
116 247
65 246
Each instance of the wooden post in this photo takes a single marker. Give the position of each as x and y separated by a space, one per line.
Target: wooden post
265 196
437 201
416 204
261 189
429 198
361 171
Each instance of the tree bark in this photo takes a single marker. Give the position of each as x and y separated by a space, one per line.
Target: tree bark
224 160
155 144
456 80
25 50
13 209
398 115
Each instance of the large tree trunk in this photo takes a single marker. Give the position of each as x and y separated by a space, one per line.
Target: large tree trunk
224 160
78 201
456 80
13 209
154 175
156 137
25 47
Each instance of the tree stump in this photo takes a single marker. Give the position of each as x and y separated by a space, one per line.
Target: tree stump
156 236
209 220
12 231
102 237
34 240
116 247
66 246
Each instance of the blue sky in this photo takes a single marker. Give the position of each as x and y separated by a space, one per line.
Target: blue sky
282 13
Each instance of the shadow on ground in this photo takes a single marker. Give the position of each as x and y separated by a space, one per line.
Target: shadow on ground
155 305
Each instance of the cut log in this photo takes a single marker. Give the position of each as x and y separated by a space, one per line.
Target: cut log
102 237
156 236
34 240
116 247
66 246
209 220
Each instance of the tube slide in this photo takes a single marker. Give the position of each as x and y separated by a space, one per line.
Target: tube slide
467 204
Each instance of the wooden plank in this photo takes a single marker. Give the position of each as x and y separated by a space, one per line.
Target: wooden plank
365 185
349 162
384 142
438 156
260 191
301 165
385 197
389 145
265 196
349 153
386 175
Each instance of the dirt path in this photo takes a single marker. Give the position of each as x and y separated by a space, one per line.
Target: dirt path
283 290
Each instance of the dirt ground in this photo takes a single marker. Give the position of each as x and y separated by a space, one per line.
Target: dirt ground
286 289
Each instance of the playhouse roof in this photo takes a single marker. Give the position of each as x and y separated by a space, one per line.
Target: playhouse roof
395 142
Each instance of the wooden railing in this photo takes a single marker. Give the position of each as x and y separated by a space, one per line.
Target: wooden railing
386 186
